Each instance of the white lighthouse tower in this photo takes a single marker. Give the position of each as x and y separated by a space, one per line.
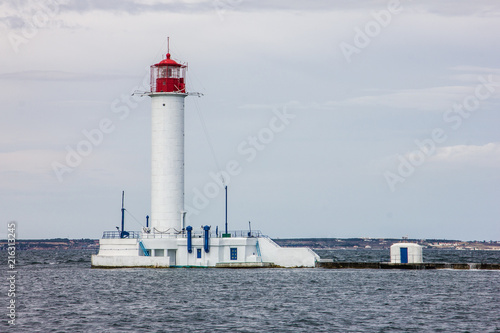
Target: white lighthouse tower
167 241
168 91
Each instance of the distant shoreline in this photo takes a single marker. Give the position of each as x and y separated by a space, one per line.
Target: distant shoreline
314 243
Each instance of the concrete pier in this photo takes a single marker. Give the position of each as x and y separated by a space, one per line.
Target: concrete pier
330 264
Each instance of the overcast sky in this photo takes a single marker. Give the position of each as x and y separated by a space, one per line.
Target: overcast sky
329 118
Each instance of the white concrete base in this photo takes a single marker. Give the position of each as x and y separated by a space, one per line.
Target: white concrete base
244 265
232 252
129 261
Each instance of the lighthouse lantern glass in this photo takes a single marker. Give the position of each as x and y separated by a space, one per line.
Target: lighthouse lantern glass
168 76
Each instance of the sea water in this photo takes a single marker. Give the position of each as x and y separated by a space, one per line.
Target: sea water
57 291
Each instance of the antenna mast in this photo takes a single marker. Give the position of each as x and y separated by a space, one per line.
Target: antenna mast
225 187
123 215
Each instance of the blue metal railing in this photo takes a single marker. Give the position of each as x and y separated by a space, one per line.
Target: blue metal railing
117 234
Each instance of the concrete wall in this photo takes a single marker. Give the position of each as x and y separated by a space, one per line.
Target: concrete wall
219 250
118 247
129 261
286 256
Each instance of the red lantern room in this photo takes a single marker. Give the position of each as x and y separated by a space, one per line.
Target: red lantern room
168 76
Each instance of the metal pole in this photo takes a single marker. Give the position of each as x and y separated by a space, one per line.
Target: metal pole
123 214
226 207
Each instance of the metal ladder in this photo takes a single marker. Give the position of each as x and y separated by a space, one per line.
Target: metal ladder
146 252
258 250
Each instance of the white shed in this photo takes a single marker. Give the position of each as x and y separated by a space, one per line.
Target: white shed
406 253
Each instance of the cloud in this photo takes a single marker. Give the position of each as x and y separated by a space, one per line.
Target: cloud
32 169
480 8
134 7
447 8
432 98
26 169
470 74
289 104
487 155
429 99
477 69
447 157
16 13
13 22
426 99
38 75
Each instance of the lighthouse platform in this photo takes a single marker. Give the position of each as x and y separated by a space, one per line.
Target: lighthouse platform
236 249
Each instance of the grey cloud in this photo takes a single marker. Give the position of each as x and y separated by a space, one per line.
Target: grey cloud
136 7
133 7
59 76
13 22
453 8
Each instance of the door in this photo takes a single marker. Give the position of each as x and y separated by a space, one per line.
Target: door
404 255
171 254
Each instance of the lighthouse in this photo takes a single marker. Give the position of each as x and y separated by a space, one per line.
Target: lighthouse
168 241
168 90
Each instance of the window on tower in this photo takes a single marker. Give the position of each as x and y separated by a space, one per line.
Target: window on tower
173 72
162 72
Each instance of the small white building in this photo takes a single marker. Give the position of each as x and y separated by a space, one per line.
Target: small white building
406 253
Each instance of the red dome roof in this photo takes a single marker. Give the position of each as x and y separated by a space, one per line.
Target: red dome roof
168 62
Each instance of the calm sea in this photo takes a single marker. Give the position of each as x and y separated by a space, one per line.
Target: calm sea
57 291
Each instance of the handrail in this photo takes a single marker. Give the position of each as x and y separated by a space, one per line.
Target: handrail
244 233
117 234
195 234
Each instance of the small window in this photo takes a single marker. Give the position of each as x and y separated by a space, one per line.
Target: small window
234 253
173 72
162 72
198 253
